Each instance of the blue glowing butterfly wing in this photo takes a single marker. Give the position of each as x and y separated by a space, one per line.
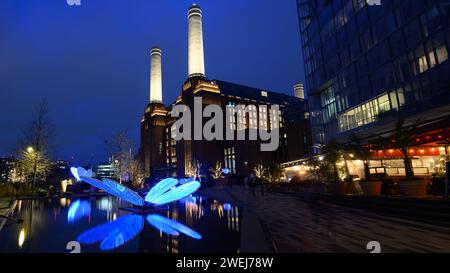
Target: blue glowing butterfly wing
161 224
74 172
171 227
177 193
123 192
123 232
160 188
96 183
88 173
78 210
80 172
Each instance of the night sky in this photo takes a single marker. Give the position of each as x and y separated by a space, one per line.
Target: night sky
91 63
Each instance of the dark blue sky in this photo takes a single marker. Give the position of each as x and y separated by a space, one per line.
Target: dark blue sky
91 63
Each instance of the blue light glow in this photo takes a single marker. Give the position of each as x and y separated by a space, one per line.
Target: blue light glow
176 193
96 183
186 180
226 171
160 188
79 172
171 227
78 210
124 192
113 235
227 207
116 190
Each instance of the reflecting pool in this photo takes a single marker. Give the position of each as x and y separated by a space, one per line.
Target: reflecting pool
107 224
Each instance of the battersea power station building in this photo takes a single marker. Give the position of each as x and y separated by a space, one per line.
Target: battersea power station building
163 155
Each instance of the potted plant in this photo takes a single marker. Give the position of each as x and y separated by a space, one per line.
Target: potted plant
402 140
363 152
333 152
319 169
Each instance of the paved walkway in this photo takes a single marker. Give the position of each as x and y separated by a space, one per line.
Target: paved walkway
5 203
315 226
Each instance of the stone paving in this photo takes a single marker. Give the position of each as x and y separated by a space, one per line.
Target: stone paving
4 205
318 227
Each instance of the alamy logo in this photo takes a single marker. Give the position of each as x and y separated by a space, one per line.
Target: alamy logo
257 121
374 2
74 2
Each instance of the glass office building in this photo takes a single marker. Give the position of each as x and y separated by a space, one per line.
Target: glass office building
370 62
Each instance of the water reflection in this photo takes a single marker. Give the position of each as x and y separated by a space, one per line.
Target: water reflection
171 227
102 220
78 210
21 238
216 206
105 204
114 234
117 233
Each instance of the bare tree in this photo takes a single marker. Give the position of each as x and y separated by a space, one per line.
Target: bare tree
216 171
136 173
121 148
260 171
36 145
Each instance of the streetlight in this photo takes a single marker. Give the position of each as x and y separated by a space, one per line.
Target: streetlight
31 151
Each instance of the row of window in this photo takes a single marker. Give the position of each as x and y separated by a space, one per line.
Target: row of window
230 159
369 111
250 117
322 62
171 151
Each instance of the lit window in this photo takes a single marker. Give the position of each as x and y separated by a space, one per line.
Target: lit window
368 112
442 54
432 59
328 102
264 94
383 104
230 159
263 117
423 66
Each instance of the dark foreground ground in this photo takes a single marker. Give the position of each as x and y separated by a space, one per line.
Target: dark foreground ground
296 224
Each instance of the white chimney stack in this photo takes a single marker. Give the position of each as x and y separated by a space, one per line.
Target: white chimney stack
196 55
299 91
155 75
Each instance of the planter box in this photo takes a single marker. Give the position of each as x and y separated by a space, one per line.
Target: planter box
318 188
371 187
414 188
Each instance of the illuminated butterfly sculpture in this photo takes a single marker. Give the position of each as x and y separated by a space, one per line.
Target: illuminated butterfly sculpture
167 191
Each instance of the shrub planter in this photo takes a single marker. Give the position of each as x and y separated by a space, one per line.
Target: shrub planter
414 188
337 188
371 187
318 188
